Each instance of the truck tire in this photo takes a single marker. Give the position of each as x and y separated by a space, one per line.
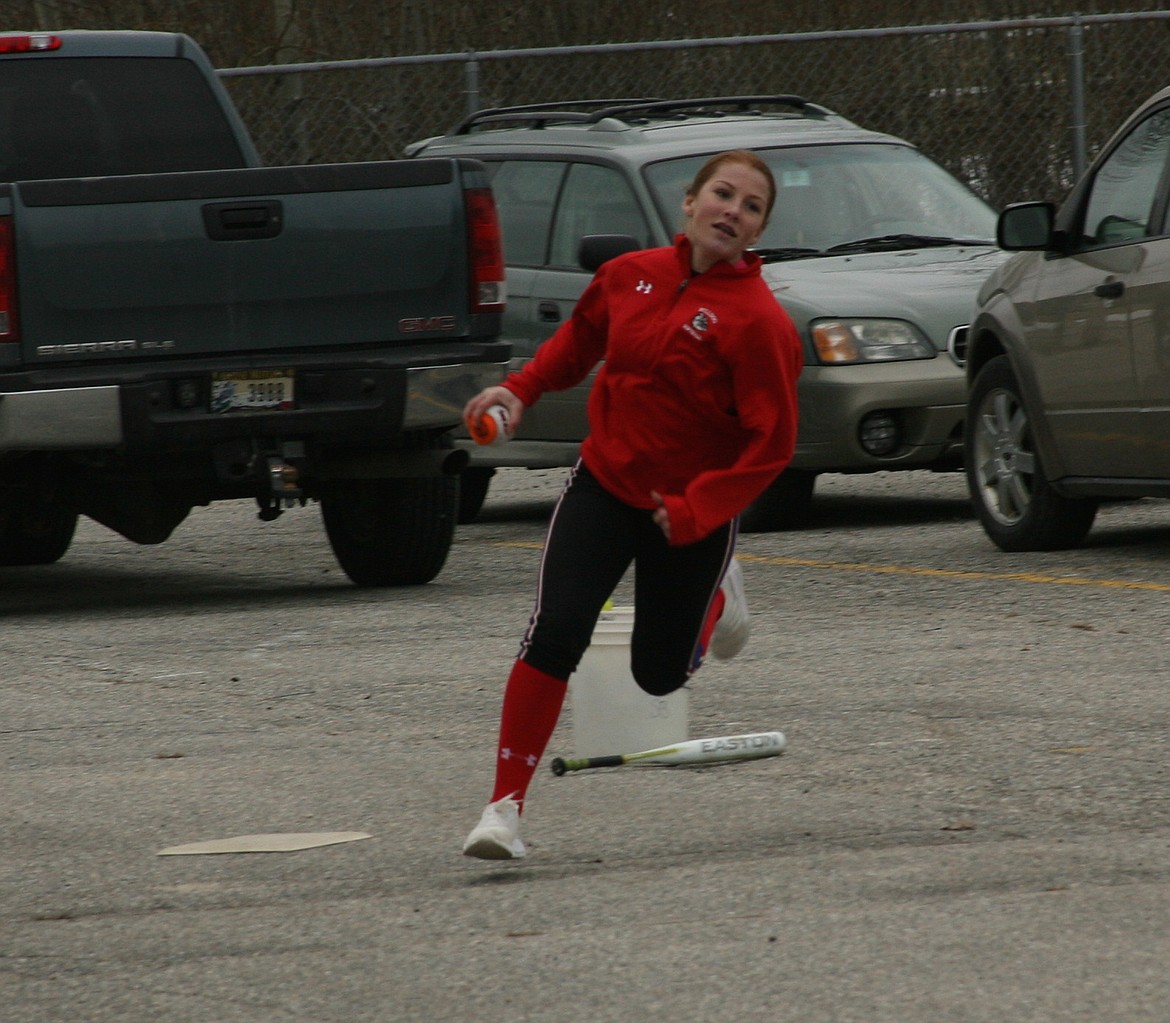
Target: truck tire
473 489
395 532
35 534
1013 499
786 504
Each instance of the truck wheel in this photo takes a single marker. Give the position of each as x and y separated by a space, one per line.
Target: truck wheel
394 532
473 488
786 504
37 534
1015 503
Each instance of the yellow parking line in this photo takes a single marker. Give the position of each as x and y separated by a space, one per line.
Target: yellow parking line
939 573
946 573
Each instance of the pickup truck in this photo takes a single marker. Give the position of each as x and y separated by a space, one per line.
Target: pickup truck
180 325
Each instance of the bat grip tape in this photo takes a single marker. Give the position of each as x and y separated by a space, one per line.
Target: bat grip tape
560 766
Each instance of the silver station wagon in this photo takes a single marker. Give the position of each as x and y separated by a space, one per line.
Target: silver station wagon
875 251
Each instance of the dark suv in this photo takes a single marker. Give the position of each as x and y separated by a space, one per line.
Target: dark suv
875 251
1070 349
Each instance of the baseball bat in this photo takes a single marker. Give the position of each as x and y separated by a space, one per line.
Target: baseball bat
719 749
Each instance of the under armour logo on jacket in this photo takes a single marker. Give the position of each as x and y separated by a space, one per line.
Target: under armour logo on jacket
645 287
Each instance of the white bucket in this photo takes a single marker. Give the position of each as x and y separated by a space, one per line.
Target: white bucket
610 714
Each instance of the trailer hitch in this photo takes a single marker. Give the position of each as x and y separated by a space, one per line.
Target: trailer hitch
284 488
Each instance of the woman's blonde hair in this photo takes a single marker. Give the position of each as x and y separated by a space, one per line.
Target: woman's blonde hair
741 156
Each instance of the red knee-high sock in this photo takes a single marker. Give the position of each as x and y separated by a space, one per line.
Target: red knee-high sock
532 704
716 609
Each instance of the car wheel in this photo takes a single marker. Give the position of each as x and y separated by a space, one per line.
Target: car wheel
1012 496
473 489
786 504
37 533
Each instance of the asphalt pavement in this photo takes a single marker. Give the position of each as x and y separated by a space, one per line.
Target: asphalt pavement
971 823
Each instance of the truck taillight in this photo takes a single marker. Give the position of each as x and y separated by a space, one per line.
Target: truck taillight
34 43
9 332
485 251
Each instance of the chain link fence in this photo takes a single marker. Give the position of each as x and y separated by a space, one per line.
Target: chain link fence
1014 108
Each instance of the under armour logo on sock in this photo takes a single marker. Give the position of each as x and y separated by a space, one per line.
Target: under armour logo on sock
531 759
645 287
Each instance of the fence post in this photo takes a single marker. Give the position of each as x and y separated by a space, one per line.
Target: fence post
1076 55
471 77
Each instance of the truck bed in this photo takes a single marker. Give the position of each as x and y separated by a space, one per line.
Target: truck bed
255 259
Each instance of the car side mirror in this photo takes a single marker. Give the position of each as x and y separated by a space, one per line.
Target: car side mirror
1027 226
596 249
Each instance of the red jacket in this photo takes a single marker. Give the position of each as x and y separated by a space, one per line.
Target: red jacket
697 396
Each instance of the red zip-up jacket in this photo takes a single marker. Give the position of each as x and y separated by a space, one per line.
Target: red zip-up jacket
696 399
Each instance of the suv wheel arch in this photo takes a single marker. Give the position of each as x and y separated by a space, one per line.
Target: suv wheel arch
1006 473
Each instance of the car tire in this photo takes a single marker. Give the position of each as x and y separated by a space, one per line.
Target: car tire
473 490
786 504
392 532
1013 499
38 533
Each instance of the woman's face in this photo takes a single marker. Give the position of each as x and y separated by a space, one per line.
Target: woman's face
726 215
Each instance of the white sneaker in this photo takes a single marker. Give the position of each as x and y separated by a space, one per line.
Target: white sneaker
731 632
497 835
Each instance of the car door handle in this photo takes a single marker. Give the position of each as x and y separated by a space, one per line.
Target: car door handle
1110 289
548 312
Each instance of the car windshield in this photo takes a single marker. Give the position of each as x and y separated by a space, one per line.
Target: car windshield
855 198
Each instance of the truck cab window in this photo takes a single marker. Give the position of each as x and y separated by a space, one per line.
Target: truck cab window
94 116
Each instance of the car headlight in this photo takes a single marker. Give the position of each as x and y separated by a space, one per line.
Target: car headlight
848 341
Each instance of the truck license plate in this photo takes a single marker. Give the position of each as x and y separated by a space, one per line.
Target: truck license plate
252 390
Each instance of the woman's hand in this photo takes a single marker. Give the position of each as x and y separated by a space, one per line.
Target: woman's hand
661 515
496 395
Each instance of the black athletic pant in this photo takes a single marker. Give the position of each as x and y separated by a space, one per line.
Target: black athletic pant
592 540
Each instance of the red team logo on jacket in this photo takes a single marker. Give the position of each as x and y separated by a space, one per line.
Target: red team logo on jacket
701 323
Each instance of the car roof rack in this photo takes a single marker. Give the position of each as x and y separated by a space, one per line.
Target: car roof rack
537 115
711 106
594 111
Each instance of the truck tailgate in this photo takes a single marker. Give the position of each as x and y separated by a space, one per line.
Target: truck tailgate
257 259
